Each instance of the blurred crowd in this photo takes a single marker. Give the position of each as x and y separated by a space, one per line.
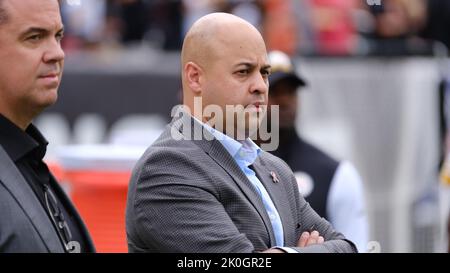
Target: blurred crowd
307 27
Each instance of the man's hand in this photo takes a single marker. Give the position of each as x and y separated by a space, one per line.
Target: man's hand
308 239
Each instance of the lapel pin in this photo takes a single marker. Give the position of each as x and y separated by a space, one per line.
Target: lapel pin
274 177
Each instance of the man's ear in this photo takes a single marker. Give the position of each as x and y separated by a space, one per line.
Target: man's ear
193 73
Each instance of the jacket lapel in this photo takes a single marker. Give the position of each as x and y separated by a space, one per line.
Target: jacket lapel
224 159
19 188
276 190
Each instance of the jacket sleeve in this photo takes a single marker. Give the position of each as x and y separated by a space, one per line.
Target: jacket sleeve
309 220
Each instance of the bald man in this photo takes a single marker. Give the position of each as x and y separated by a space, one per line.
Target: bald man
204 186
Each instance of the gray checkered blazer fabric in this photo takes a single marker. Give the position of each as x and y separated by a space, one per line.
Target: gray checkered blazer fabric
191 196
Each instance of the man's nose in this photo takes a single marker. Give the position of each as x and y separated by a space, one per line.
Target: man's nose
260 84
54 52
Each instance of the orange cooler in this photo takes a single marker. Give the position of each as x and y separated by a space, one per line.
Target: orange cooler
98 177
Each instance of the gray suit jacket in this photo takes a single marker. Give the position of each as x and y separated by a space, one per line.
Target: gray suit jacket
191 196
24 224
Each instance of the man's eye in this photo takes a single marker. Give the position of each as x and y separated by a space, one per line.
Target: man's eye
265 73
34 38
59 36
243 72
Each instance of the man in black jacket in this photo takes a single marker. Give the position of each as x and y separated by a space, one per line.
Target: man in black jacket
36 214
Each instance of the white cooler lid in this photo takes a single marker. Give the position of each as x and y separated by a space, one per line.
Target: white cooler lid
102 157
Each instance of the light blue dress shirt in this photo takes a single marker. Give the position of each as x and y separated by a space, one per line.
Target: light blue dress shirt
245 154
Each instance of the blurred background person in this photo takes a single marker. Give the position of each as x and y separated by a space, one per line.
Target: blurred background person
334 26
85 23
405 27
333 188
157 22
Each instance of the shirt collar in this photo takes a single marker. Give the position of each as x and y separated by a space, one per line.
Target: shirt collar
18 143
244 152
248 152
